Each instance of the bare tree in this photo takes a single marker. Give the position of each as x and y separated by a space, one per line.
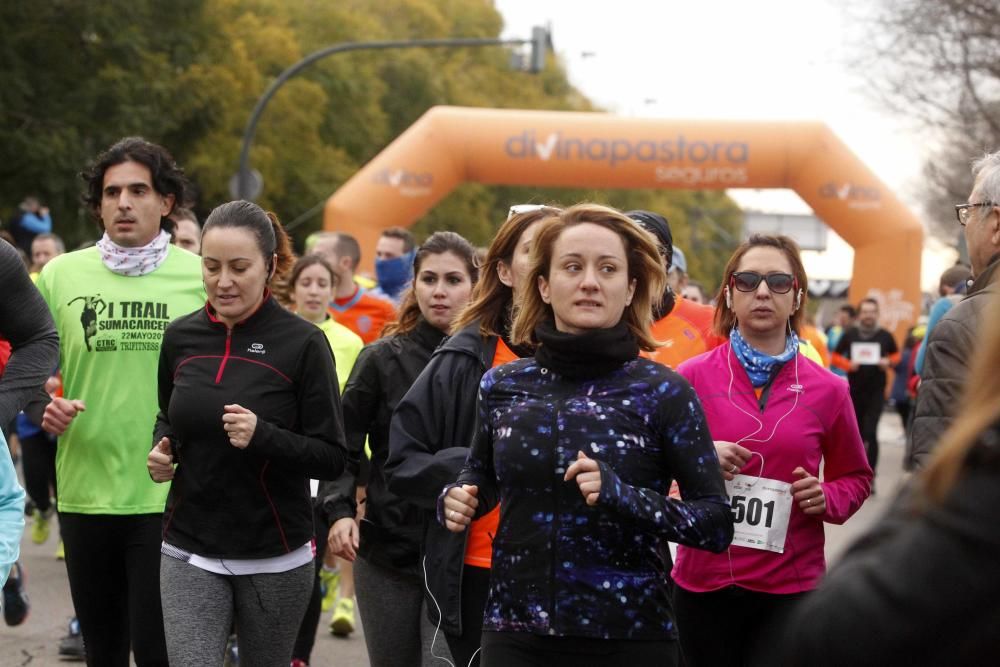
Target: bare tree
938 63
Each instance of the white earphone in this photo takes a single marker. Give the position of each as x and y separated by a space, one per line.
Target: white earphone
798 301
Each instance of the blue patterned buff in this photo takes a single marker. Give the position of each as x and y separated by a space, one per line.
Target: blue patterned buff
757 364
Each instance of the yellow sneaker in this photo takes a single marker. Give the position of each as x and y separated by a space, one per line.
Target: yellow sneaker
342 623
41 526
60 551
329 585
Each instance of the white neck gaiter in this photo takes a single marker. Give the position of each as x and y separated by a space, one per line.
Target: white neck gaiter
134 261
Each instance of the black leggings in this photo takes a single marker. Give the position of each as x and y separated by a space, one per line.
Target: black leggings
113 564
731 627
310 622
904 409
510 649
868 409
38 453
475 588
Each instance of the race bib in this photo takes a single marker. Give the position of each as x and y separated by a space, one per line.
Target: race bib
761 509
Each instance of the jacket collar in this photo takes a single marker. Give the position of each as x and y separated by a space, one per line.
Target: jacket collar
266 305
469 341
988 276
428 335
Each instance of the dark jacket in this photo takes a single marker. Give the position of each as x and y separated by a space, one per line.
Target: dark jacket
561 567
429 440
25 321
393 528
920 588
227 502
946 365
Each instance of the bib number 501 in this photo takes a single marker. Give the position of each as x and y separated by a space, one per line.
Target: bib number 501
751 511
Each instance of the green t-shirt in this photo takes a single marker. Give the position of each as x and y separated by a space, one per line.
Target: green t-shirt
110 329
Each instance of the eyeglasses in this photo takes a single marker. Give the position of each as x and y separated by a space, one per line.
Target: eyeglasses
779 283
963 211
518 209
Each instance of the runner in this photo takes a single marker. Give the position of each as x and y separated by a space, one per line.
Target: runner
434 424
387 569
579 446
776 417
313 282
249 409
111 304
34 345
682 325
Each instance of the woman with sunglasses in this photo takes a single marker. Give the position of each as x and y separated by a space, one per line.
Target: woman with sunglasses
776 418
434 424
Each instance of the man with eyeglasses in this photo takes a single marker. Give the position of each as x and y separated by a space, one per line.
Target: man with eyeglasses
865 352
956 335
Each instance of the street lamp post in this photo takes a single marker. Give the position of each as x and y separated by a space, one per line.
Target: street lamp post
245 182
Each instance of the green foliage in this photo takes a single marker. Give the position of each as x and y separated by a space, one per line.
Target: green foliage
75 76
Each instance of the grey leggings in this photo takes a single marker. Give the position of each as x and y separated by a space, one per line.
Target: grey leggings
394 616
199 608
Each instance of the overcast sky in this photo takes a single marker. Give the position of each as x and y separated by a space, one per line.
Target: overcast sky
728 59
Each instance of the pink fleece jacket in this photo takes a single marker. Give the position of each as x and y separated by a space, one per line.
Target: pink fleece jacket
821 428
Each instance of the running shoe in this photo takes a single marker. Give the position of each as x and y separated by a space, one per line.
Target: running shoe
41 527
342 623
329 583
71 646
15 600
60 551
296 662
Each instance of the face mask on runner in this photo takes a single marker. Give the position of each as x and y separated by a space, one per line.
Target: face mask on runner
394 274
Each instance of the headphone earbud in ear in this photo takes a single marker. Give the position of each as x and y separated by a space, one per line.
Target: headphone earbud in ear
798 300
729 299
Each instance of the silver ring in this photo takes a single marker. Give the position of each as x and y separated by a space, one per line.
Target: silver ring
809 502
733 469
453 513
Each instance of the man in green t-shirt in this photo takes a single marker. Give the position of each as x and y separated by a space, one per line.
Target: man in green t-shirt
111 304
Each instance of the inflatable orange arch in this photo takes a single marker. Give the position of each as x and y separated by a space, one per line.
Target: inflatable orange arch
448 146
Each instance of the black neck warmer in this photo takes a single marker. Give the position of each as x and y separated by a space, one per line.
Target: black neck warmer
588 355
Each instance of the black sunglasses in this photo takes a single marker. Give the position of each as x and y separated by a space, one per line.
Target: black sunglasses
779 283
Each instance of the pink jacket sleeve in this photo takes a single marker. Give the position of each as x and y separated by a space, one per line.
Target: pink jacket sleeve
847 477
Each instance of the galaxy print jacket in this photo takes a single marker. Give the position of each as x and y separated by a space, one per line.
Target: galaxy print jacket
561 567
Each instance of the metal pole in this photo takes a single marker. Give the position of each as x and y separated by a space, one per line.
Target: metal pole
248 133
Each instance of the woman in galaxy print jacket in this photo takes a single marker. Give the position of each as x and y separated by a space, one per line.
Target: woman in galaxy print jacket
579 446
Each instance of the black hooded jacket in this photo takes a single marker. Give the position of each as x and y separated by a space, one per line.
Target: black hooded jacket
393 528
429 439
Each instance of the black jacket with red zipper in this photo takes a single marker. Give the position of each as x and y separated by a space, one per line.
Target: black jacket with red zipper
253 502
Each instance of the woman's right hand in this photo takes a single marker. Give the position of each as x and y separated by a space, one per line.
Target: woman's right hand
460 505
732 458
160 461
343 538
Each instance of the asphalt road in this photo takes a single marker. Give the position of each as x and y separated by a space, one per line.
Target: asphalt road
35 642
